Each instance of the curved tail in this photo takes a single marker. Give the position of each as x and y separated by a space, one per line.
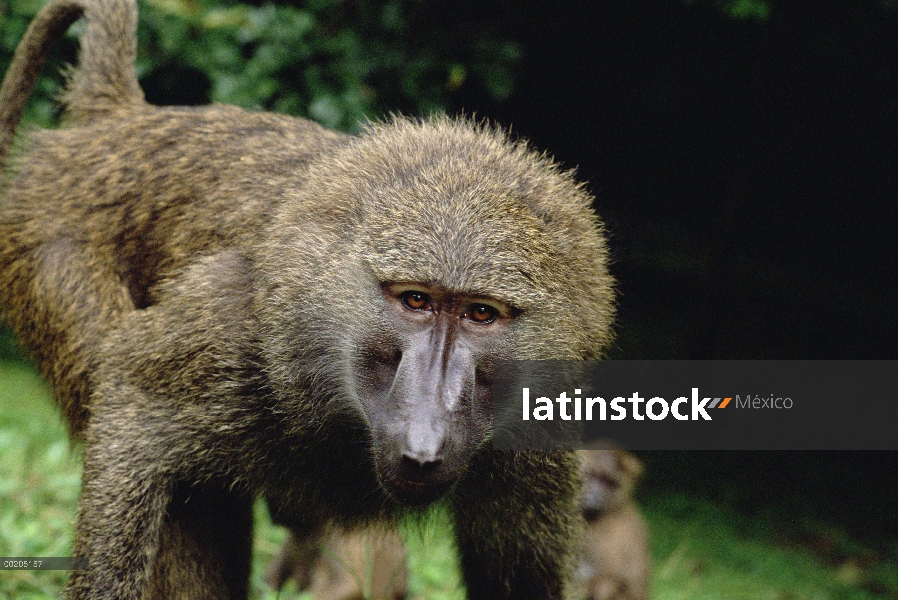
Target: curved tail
105 78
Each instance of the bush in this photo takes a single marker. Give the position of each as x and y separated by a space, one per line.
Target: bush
335 61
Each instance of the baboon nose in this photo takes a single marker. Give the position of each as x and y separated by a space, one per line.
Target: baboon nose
419 466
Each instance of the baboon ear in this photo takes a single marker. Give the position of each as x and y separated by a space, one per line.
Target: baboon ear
630 465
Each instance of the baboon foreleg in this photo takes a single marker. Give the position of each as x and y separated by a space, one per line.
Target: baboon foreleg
298 555
125 494
205 546
515 535
295 560
149 526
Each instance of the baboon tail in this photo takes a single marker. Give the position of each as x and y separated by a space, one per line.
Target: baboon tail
105 78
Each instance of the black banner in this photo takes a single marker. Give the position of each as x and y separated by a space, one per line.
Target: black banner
697 405
43 563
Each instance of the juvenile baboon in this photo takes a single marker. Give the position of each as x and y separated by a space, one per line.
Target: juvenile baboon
364 564
614 561
232 304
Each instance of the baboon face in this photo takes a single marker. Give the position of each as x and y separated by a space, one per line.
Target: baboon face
426 394
608 480
422 370
602 477
440 248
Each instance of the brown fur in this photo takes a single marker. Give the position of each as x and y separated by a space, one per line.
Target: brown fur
208 291
614 560
365 564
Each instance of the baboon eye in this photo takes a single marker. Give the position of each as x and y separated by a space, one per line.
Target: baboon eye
482 313
416 300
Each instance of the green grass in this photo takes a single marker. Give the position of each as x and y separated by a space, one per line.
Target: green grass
704 552
39 479
700 550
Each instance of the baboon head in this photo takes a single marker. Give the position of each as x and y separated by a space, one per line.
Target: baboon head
609 476
441 248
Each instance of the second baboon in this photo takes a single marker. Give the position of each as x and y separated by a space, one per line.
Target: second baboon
233 304
614 561
363 564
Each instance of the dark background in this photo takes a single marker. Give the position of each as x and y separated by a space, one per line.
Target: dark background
748 173
748 170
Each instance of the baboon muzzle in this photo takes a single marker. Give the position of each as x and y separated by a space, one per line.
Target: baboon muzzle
430 396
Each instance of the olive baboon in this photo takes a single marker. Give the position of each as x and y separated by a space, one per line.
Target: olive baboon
232 304
614 561
356 565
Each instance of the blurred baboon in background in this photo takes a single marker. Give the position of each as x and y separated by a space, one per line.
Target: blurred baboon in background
614 562
364 564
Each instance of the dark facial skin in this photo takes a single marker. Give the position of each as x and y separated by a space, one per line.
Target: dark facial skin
608 479
426 396
599 492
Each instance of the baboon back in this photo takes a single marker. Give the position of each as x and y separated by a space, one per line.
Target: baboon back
97 214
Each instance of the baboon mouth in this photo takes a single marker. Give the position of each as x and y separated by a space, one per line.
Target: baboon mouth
591 514
415 493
